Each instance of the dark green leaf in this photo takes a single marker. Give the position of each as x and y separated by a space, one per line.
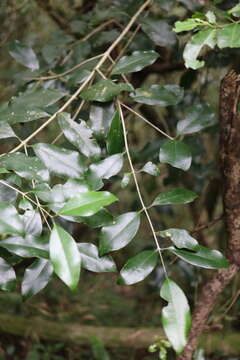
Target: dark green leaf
40 98
24 247
159 32
32 223
161 95
197 118
7 194
10 220
135 62
229 36
65 257
108 167
138 267
119 234
60 161
104 90
92 261
7 276
36 277
180 238
79 135
203 257
175 196
30 168
176 316
87 203
21 113
23 54
101 218
177 154
115 139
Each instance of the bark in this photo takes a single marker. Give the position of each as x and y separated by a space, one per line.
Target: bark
230 171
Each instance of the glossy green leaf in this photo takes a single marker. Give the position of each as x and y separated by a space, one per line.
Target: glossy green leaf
151 169
87 203
202 257
40 98
176 316
60 161
23 54
21 113
115 138
176 153
32 223
195 45
229 36
176 196
6 131
36 277
104 90
135 62
79 135
7 276
92 261
65 257
100 118
10 220
138 267
101 218
186 25
159 31
119 234
197 118
180 238
161 95
30 168
24 247
108 167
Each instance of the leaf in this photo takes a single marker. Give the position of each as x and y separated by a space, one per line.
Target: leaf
7 276
6 131
101 218
180 238
115 138
211 17
104 90
235 11
101 117
92 261
176 153
10 220
186 25
32 223
24 247
195 45
23 54
36 277
176 316
60 161
87 203
202 257
138 267
98 349
4 171
79 135
119 234
159 95
176 196
41 98
65 257
229 36
151 169
108 167
197 118
30 168
125 180
21 113
159 32
135 62
7 194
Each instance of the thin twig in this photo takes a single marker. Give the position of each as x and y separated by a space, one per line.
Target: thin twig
207 225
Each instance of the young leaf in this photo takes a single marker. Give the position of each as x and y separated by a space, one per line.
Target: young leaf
138 267
60 161
92 261
115 139
87 203
135 62
176 316
108 167
10 220
119 234
197 118
176 153
23 54
185 25
180 238
151 169
79 135
104 90
159 32
161 95
195 45
229 36
7 276
202 257
36 277
65 257
176 196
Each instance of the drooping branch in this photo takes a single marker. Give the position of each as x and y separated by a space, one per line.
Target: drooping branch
230 169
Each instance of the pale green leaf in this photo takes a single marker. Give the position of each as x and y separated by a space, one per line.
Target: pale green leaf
104 90
23 54
180 238
229 36
108 167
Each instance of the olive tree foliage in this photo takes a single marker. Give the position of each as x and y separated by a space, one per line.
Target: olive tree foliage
67 155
